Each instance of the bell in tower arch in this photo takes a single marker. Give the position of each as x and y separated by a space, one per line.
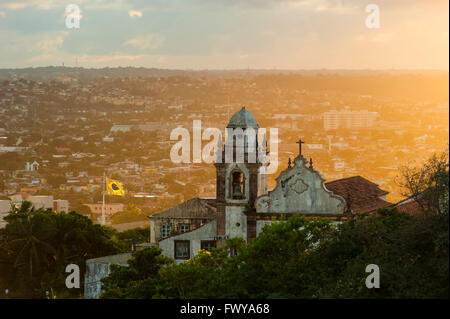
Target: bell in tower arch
238 184
237 193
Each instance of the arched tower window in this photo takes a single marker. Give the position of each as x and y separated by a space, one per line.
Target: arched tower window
237 185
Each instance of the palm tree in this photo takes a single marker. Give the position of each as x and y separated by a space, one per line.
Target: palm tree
29 239
68 237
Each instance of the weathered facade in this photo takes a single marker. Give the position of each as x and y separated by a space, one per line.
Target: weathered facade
300 189
182 218
183 246
99 268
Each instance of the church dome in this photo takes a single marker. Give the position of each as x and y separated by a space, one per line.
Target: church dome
243 119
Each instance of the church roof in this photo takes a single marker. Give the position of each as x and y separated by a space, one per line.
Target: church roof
192 208
243 119
364 196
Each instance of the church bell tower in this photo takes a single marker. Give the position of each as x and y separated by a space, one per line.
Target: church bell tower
240 174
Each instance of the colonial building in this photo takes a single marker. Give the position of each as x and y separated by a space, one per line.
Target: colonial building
243 205
182 218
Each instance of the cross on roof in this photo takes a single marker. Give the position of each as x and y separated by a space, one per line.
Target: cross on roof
300 142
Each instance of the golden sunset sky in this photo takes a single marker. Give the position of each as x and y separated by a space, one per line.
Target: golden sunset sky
226 34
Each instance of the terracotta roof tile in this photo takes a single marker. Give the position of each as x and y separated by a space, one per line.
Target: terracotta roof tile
364 196
411 206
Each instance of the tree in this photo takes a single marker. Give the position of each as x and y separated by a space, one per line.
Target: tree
208 275
135 235
307 258
28 240
271 266
428 184
411 252
138 279
37 245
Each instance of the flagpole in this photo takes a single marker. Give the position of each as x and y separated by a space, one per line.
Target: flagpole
103 204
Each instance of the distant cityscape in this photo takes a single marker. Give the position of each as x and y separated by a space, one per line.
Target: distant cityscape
59 133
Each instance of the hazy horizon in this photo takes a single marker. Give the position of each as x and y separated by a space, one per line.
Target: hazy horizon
230 69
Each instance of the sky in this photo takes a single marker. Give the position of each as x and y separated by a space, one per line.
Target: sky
226 34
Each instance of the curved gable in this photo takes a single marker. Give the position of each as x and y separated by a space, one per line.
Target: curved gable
301 190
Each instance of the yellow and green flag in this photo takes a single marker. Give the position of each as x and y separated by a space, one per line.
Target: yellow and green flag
114 187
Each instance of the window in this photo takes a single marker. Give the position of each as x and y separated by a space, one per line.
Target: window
237 185
182 249
165 230
182 228
208 245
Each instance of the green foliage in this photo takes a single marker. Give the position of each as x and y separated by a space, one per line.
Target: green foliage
304 258
137 280
37 245
428 184
136 235
207 275
412 253
271 265
294 258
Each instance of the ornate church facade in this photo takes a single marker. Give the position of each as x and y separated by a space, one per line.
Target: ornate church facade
243 205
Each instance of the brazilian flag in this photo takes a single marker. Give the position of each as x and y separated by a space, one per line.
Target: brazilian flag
114 187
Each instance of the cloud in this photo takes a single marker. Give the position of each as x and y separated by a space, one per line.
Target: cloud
226 33
134 13
50 45
335 8
87 4
13 5
39 4
145 42
314 5
107 58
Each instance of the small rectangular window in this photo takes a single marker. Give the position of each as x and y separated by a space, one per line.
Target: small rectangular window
208 245
165 230
182 249
182 228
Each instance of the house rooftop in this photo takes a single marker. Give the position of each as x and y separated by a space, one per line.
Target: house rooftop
361 194
201 208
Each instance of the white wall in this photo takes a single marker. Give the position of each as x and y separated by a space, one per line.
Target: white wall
235 222
41 201
205 232
260 225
